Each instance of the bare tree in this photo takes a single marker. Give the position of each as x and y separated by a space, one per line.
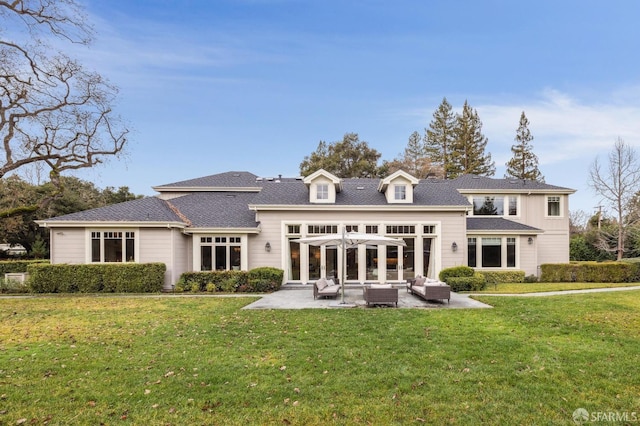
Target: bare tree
618 182
53 111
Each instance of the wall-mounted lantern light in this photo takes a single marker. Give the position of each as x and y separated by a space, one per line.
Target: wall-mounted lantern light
454 246
530 240
267 247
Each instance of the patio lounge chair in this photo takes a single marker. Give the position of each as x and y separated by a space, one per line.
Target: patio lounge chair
325 288
429 289
380 294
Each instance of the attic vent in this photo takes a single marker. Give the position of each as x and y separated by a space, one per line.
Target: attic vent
360 187
236 175
258 179
475 177
270 179
231 196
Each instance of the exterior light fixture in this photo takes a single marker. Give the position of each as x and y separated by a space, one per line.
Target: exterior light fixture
454 246
530 240
267 247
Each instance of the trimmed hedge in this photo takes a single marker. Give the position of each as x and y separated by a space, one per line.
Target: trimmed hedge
500 277
97 278
455 271
11 266
258 280
474 283
605 272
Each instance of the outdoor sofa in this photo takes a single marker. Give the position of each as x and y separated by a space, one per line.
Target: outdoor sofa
325 288
429 289
380 294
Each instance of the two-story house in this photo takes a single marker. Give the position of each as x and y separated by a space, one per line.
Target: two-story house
238 221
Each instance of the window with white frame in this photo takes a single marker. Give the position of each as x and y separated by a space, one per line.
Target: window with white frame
400 192
322 191
495 205
492 252
553 206
220 253
113 246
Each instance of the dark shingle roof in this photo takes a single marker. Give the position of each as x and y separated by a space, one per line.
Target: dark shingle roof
358 192
481 182
220 180
497 224
217 209
150 209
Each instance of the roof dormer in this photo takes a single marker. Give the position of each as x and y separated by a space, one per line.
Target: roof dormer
323 187
398 187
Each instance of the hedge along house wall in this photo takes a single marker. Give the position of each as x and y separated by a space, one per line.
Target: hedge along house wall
257 280
17 266
606 272
97 278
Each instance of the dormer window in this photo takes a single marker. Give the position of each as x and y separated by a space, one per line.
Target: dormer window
398 187
323 187
322 191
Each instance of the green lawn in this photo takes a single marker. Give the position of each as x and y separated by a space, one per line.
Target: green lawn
178 360
521 288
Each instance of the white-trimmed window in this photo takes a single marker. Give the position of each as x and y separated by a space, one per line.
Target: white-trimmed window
553 206
492 252
495 205
322 191
220 253
113 246
400 192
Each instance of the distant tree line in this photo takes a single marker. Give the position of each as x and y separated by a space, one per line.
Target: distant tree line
78 195
452 145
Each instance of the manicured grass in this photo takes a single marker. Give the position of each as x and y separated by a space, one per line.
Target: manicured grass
178 360
521 288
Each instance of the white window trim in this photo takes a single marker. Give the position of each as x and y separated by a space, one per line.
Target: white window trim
505 206
88 244
197 244
561 207
503 252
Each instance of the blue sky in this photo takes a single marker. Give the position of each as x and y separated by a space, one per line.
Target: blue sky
213 86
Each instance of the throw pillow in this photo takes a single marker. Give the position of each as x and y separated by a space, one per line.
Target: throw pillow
321 283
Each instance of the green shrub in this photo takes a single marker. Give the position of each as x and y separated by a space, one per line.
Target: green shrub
258 280
10 266
200 281
608 272
500 277
13 286
531 279
96 278
456 271
474 283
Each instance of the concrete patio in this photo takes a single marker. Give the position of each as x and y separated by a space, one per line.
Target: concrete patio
301 297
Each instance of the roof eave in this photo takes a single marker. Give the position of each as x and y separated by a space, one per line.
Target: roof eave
108 224
334 207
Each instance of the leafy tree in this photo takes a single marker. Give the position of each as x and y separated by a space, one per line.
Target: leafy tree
524 163
440 137
617 183
414 160
468 155
349 158
79 195
53 111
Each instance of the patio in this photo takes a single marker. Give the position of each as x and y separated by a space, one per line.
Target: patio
301 297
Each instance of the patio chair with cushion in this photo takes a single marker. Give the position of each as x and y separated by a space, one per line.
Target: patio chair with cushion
325 288
380 294
429 289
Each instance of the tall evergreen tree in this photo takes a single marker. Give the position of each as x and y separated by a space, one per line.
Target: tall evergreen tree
468 155
439 137
524 164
